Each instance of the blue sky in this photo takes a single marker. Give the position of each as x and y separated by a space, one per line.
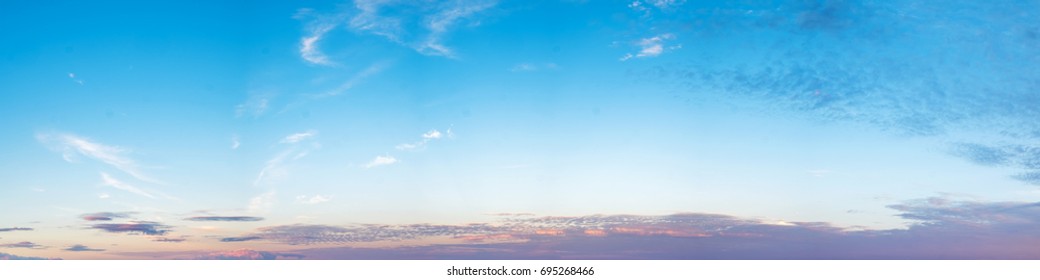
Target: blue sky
223 126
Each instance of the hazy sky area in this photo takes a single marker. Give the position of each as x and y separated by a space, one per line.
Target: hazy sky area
645 129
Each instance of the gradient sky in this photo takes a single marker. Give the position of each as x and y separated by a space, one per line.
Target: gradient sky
391 129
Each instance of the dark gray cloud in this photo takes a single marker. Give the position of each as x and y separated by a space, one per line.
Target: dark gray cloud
82 248
140 227
24 244
106 216
239 239
5 256
15 229
224 219
171 240
246 254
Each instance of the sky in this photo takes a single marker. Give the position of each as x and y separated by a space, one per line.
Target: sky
640 129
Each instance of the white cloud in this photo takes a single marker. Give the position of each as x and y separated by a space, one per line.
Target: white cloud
256 105
297 137
262 202
358 78
308 44
234 142
71 145
380 161
104 196
426 138
113 182
432 134
312 200
410 146
531 67
73 77
664 4
417 25
652 47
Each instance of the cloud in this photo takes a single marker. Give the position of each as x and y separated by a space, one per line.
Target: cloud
15 229
421 26
71 145
381 161
246 254
170 240
432 134
5 256
224 219
24 245
941 229
82 248
297 137
356 79
256 105
261 202
140 227
239 239
653 46
531 67
312 200
308 44
72 76
1022 157
425 138
105 216
235 143
113 182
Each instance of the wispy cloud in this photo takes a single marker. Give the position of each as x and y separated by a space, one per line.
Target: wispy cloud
139 227
262 202
531 67
425 138
235 142
170 240
421 26
246 254
72 76
355 80
440 23
313 199
82 248
106 216
653 46
224 219
256 105
108 180
309 44
297 137
275 168
381 161
1023 157
15 229
70 145
23 245
239 239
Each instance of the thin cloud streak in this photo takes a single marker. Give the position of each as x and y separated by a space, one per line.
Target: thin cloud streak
107 180
224 219
116 157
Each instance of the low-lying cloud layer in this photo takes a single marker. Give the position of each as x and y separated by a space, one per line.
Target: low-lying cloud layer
225 219
940 229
